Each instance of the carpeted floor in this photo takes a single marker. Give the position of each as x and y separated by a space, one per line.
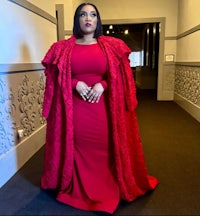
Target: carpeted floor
171 142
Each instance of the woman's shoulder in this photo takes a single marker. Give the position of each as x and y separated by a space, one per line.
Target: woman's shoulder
110 39
56 50
116 43
63 43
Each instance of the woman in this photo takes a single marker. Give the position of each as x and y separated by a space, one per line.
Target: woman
93 152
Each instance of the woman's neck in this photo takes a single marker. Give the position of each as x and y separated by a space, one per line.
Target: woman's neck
86 39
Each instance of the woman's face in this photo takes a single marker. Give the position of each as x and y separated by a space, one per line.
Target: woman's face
88 19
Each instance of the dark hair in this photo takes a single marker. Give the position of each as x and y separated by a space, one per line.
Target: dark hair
77 29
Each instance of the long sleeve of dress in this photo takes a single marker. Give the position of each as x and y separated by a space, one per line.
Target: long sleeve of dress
74 83
104 84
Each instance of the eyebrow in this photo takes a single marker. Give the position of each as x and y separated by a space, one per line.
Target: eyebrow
86 11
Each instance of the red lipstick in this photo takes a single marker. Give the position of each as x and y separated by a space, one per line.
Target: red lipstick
88 24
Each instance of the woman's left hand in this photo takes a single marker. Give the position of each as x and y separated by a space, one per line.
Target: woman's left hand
95 93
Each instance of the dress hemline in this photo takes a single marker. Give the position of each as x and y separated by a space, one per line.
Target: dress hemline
108 206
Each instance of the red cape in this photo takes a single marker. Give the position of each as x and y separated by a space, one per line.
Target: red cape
128 158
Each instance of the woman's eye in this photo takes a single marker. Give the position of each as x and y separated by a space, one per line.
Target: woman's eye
93 14
82 14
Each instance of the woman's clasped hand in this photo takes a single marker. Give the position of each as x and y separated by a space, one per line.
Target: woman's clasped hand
88 93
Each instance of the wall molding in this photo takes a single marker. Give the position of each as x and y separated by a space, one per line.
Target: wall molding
168 63
191 64
188 32
133 21
20 67
31 7
171 38
184 34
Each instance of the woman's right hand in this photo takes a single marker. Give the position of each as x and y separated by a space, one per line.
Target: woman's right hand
83 89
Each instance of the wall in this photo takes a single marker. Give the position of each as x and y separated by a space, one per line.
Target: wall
68 11
27 30
187 76
69 7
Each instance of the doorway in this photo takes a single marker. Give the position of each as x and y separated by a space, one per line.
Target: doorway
145 37
143 40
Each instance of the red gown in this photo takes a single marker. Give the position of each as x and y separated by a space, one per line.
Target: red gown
93 186
62 170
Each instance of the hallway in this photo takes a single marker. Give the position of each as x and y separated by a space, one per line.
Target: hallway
171 142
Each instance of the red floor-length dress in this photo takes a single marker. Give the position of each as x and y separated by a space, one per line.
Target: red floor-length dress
93 186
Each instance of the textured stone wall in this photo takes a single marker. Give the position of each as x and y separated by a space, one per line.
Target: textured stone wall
187 83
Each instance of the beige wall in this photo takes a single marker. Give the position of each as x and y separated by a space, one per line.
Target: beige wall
188 48
24 33
188 18
134 9
69 9
129 9
46 5
188 15
25 38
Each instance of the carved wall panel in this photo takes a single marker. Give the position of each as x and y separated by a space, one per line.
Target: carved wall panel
187 83
21 97
7 114
169 76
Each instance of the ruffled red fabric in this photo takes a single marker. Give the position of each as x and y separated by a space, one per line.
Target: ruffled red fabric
130 168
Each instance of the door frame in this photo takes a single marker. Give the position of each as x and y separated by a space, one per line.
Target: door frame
59 10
